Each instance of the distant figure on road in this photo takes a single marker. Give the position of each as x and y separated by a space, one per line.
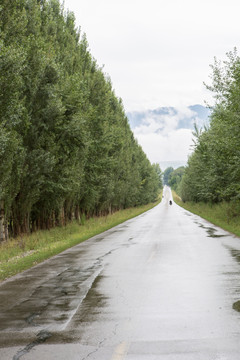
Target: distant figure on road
170 202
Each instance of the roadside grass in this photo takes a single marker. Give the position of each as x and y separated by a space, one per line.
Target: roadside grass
26 251
225 215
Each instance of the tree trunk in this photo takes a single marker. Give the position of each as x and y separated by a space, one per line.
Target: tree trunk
2 221
62 217
10 228
53 219
77 214
34 226
6 229
16 228
25 225
72 214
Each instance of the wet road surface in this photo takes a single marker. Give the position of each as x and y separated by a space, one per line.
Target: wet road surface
164 285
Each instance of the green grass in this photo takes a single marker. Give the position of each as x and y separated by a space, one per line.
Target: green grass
24 252
225 215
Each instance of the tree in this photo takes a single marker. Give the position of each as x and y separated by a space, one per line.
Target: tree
65 143
175 178
159 173
166 175
213 173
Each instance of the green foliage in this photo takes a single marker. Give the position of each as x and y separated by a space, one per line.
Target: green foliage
213 171
158 170
166 175
175 179
25 251
66 148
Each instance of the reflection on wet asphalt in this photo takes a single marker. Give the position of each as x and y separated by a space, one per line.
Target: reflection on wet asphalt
212 232
165 285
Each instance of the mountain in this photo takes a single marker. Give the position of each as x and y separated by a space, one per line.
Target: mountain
184 117
165 133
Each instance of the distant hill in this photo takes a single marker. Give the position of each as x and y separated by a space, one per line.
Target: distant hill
165 133
185 119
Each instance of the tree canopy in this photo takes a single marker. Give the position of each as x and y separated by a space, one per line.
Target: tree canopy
66 147
166 175
213 171
175 178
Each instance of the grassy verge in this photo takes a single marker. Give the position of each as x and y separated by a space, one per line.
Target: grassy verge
24 252
225 215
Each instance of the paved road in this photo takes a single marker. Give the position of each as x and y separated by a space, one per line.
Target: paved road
160 286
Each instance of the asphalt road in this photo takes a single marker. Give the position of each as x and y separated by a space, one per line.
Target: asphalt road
160 286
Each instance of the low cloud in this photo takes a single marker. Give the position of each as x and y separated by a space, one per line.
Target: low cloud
165 134
176 145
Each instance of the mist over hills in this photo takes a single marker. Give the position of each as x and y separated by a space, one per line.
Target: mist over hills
197 114
165 133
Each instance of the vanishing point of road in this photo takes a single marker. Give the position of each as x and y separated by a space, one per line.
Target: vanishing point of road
161 286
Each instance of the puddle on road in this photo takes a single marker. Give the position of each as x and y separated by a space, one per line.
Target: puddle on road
92 305
68 321
235 254
211 231
50 301
99 239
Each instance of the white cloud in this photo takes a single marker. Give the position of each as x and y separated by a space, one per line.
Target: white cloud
162 139
158 52
164 123
176 145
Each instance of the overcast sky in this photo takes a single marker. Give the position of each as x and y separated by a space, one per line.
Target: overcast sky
157 52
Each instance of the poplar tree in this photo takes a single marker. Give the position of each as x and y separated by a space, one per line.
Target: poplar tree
66 147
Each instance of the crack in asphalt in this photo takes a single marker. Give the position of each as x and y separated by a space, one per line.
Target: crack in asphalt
42 336
88 276
30 319
101 343
99 346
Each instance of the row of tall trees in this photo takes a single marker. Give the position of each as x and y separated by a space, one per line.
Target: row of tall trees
175 179
213 171
66 147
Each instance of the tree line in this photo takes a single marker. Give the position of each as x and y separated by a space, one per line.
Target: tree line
212 173
173 178
66 147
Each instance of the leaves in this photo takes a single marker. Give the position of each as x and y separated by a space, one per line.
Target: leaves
65 141
212 174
